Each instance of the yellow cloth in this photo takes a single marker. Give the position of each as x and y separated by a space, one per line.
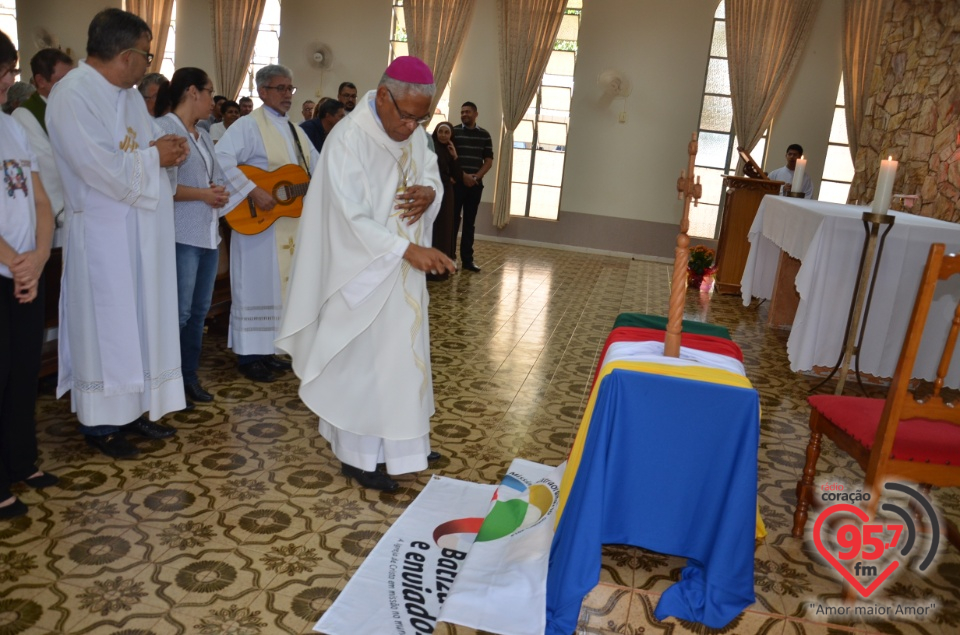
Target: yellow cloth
694 373
285 229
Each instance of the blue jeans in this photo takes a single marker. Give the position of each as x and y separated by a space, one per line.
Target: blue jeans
196 275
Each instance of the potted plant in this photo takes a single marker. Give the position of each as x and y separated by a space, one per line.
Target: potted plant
699 265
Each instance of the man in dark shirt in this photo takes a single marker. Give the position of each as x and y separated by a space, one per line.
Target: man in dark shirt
347 95
329 112
475 150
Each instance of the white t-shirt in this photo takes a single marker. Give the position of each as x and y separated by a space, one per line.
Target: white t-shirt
217 130
18 212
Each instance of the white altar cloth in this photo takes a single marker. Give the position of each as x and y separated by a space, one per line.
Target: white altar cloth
828 239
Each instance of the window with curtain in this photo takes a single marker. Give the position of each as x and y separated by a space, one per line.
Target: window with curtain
398 48
540 141
168 66
8 24
266 51
717 152
838 166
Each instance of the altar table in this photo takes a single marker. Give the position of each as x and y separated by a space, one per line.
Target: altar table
680 482
828 238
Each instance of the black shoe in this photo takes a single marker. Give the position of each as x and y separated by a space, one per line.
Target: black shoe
370 480
114 445
469 266
196 393
149 429
44 480
433 457
190 406
277 365
257 371
16 509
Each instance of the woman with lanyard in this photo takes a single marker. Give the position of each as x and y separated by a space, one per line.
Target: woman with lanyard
200 198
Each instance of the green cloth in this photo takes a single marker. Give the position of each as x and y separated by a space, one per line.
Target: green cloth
660 323
38 107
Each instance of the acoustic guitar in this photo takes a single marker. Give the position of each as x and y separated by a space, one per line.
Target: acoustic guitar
287 184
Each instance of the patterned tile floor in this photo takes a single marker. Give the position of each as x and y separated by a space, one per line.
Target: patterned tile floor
242 525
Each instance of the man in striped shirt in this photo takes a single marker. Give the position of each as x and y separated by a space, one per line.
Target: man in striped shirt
475 149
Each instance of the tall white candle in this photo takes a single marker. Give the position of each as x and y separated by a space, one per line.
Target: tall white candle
797 185
884 191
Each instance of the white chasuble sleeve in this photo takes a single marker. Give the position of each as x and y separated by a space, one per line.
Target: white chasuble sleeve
351 238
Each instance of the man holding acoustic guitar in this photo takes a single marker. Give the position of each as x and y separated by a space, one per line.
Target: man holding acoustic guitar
269 160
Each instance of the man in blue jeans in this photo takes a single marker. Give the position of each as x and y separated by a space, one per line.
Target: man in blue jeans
475 149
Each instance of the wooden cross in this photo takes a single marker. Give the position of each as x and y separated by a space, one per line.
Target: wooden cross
687 189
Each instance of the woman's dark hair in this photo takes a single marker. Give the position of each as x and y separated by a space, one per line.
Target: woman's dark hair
113 31
436 140
169 97
8 52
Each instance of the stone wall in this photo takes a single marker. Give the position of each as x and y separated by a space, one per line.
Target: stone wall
913 112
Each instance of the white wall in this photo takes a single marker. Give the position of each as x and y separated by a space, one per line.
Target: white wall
629 170
194 41
356 31
67 20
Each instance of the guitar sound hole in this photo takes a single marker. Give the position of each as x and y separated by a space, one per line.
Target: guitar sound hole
281 195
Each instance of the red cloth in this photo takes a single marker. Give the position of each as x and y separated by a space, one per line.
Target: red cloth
919 440
706 343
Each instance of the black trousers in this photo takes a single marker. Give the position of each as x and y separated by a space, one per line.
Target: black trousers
466 202
21 340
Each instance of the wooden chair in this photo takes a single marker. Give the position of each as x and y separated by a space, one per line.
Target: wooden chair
906 436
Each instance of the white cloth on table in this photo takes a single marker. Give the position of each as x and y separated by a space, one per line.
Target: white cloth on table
255 282
828 238
653 352
364 365
119 334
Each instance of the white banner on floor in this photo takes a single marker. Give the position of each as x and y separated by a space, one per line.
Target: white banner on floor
400 587
503 586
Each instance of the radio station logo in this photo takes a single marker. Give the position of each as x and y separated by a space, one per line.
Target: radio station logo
865 551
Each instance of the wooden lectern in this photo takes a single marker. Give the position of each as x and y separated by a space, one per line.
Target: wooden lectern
744 194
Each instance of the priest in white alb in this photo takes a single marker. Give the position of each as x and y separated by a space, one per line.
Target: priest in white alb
356 322
260 263
119 333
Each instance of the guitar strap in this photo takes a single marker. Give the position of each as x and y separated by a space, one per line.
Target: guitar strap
296 139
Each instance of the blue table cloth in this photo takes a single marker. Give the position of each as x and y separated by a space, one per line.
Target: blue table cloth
669 465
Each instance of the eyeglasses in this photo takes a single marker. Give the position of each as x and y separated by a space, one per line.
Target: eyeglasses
7 71
405 117
149 56
282 89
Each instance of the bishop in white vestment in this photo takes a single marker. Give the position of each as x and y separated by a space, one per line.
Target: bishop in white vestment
260 263
119 333
356 323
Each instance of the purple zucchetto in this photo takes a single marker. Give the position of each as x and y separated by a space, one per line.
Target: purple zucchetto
410 70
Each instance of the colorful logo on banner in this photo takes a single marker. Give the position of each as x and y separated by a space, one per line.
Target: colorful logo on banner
517 505
862 544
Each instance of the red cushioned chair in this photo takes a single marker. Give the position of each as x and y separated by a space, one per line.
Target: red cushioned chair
900 436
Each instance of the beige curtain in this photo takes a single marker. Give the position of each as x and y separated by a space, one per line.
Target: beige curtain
862 23
764 41
156 13
435 32
528 30
235 27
